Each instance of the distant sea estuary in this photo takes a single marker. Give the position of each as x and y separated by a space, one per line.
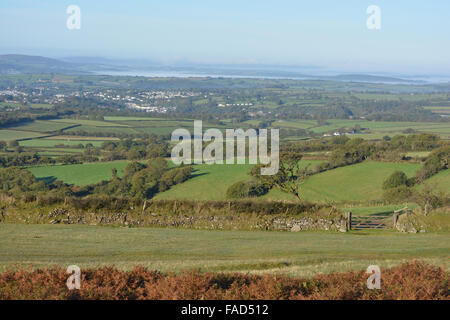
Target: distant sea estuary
182 74
262 74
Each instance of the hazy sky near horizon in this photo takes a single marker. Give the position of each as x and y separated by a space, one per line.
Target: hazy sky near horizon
414 35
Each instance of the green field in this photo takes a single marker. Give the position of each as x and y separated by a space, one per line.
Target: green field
123 118
104 129
376 211
440 181
79 174
42 126
356 182
210 182
373 129
294 254
8 135
386 127
54 142
359 182
88 122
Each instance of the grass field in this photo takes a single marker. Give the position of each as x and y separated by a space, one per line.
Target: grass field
8 135
440 182
122 118
54 142
88 122
375 211
79 174
104 129
359 182
356 182
386 127
375 130
294 254
210 182
43 126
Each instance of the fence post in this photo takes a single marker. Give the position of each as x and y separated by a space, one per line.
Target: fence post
395 219
349 221
144 206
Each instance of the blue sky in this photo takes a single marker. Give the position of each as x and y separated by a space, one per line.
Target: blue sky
414 35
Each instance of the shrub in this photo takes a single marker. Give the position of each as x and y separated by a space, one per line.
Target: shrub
246 189
15 181
397 179
397 194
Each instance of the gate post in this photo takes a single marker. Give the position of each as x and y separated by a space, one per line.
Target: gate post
395 219
144 206
349 221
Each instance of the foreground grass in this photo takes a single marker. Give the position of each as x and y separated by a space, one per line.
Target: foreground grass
301 254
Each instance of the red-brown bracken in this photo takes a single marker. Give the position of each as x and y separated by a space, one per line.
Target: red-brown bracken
413 280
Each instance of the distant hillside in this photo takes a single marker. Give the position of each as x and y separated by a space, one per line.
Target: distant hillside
16 63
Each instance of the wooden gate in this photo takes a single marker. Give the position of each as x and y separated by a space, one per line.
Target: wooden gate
364 222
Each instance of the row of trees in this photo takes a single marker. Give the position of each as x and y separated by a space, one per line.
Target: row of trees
142 180
438 160
21 183
126 149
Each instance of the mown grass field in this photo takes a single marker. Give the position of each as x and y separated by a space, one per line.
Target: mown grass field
295 254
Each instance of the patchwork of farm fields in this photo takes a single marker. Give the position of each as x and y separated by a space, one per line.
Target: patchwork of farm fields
301 254
359 182
136 125
210 182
